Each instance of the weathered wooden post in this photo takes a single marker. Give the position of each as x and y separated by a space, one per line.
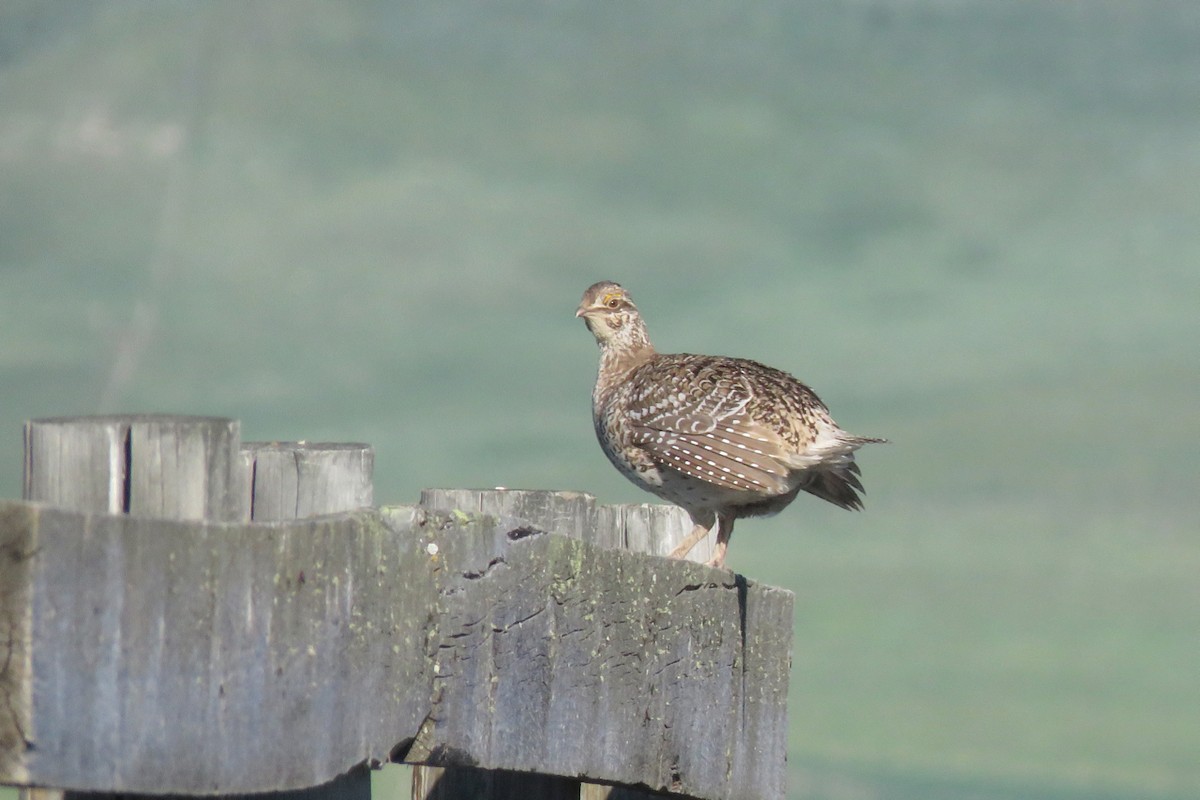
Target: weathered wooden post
295 480
194 468
151 465
569 514
185 468
642 528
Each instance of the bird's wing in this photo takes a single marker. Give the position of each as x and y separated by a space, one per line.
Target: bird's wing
702 428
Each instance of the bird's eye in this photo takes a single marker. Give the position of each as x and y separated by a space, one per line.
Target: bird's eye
613 302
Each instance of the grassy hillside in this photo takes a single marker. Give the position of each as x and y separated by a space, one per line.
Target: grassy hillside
971 227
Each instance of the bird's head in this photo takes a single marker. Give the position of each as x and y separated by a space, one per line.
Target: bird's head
611 316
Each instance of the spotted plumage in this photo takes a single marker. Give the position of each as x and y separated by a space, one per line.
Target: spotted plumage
722 437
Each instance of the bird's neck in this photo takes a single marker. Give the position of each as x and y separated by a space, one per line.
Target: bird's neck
618 360
620 356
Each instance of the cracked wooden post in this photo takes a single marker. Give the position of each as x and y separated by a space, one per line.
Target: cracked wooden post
193 468
296 480
643 528
151 465
639 528
559 512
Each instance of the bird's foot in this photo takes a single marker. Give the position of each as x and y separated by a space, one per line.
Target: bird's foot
718 559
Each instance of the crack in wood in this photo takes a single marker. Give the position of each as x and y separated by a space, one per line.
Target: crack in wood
472 575
6 685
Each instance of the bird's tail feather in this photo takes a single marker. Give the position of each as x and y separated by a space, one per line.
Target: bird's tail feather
839 483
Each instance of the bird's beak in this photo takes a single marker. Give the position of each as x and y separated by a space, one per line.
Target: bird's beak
582 311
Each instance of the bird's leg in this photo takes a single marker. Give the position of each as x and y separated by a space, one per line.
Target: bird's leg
694 538
724 531
703 526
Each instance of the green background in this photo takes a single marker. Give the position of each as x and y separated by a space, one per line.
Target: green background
974 228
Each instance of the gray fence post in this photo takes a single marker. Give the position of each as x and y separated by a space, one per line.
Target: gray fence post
148 465
640 528
193 468
293 480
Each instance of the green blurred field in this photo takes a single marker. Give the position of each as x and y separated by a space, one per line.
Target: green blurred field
971 227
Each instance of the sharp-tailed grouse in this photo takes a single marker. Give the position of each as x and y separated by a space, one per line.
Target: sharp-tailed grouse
722 437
